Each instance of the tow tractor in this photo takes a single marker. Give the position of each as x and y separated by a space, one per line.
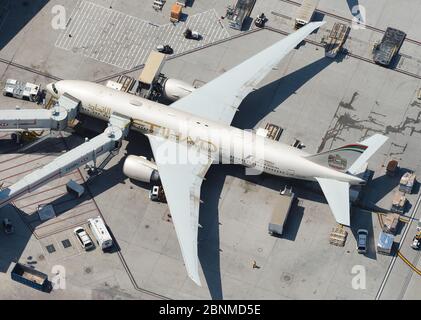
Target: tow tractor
260 21
165 49
189 34
416 242
157 194
21 90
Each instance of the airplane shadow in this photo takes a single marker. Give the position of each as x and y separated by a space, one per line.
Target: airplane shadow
266 99
13 245
378 188
351 5
53 144
209 236
361 219
15 15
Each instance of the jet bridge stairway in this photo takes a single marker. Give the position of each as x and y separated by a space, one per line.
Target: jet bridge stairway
107 142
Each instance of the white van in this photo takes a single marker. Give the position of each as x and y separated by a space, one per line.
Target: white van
100 232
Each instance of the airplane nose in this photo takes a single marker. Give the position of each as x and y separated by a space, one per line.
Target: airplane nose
52 89
49 88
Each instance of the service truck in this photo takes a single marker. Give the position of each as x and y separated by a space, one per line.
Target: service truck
22 90
100 232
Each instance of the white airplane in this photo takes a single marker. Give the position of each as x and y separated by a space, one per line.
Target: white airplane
197 129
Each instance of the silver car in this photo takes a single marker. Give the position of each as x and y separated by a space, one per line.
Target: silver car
362 240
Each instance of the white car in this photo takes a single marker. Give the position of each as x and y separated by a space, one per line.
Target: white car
84 239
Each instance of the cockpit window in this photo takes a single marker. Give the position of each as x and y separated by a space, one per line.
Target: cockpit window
55 89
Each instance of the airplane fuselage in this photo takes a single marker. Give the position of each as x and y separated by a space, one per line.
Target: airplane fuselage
223 143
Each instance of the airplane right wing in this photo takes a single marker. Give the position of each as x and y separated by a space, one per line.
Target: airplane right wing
219 99
337 195
182 178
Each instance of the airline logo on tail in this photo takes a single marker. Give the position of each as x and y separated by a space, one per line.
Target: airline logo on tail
337 162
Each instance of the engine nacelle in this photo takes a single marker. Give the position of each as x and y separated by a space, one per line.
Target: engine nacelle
176 89
141 169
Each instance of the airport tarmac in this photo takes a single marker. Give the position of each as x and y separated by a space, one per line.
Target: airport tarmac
324 103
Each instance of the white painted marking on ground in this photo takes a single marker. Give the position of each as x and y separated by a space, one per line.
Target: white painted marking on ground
125 41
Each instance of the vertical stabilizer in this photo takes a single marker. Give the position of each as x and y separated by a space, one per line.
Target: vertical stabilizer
350 158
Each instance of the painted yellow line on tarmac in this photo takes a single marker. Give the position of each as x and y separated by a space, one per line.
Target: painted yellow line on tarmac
414 268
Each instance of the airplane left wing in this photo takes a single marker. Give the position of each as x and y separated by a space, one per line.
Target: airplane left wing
219 99
182 178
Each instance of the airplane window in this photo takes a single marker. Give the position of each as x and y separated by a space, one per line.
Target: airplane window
55 89
136 103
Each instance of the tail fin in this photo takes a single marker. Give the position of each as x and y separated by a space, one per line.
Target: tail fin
350 158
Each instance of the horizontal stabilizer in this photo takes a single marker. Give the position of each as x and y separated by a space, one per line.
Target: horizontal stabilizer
337 195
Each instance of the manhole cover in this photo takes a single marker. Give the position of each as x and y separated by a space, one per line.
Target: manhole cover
66 243
41 257
88 270
51 248
287 277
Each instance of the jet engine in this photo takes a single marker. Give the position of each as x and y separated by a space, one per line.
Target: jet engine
174 89
141 169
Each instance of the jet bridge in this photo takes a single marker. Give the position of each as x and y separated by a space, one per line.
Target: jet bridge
57 118
107 142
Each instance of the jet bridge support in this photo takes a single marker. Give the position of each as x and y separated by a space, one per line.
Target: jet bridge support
108 141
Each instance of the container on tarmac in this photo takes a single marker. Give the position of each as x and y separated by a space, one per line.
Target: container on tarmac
385 51
385 243
176 12
30 277
280 213
74 188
